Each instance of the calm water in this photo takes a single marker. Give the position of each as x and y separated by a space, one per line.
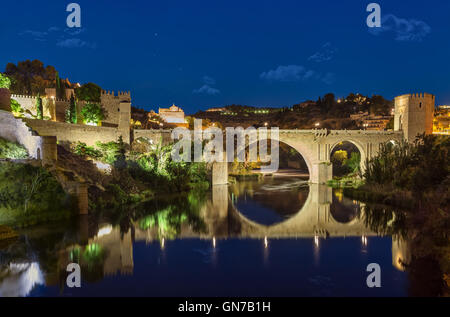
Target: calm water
275 237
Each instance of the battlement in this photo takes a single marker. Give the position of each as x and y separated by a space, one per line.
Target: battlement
422 96
119 93
23 96
31 97
417 96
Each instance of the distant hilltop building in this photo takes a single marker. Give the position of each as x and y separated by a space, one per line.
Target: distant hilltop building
174 115
441 122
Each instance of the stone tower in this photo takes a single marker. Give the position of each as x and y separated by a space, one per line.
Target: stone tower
414 115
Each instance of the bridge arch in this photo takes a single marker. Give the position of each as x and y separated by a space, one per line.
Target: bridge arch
299 149
357 144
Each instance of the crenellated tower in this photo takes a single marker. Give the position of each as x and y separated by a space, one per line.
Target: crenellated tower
414 114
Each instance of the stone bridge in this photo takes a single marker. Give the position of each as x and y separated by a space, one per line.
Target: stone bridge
315 146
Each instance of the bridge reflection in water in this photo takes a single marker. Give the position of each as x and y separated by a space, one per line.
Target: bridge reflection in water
320 217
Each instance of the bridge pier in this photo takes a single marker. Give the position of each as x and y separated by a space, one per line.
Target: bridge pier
321 172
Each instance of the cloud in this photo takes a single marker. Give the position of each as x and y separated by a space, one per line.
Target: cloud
74 31
292 73
287 73
206 90
38 35
326 53
74 43
53 29
65 38
403 29
209 80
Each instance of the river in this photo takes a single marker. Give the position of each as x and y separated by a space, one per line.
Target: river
278 236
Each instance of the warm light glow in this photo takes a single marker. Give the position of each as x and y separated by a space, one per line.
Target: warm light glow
266 242
162 243
214 242
317 124
266 124
104 231
364 240
316 241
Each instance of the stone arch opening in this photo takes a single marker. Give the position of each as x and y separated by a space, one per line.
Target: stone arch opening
272 199
292 161
347 157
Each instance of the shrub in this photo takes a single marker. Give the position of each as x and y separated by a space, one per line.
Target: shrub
31 193
5 82
82 149
16 107
12 150
93 113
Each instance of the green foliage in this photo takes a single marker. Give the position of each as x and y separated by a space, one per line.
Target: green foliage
353 163
12 150
93 113
82 149
340 156
16 107
417 167
30 195
157 169
71 113
5 82
30 77
89 92
39 108
110 151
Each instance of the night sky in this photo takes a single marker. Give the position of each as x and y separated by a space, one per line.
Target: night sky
200 54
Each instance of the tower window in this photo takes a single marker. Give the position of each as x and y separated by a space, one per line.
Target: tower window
420 105
118 109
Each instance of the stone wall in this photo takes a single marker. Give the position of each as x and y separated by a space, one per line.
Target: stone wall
72 133
53 108
16 130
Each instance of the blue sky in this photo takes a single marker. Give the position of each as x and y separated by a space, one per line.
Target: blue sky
200 54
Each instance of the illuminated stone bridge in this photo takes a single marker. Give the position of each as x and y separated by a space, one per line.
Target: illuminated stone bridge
315 146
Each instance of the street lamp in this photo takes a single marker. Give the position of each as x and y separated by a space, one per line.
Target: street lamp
317 124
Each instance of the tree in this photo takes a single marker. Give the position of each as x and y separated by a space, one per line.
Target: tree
39 109
72 116
89 92
60 88
93 113
30 77
5 82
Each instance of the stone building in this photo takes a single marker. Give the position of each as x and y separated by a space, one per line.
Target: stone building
173 115
414 114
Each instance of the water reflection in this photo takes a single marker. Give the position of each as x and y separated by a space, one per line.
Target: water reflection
105 245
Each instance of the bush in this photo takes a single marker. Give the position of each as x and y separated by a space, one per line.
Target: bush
5 82
16 107
12 150
31 195
82 149
417 167
93 113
